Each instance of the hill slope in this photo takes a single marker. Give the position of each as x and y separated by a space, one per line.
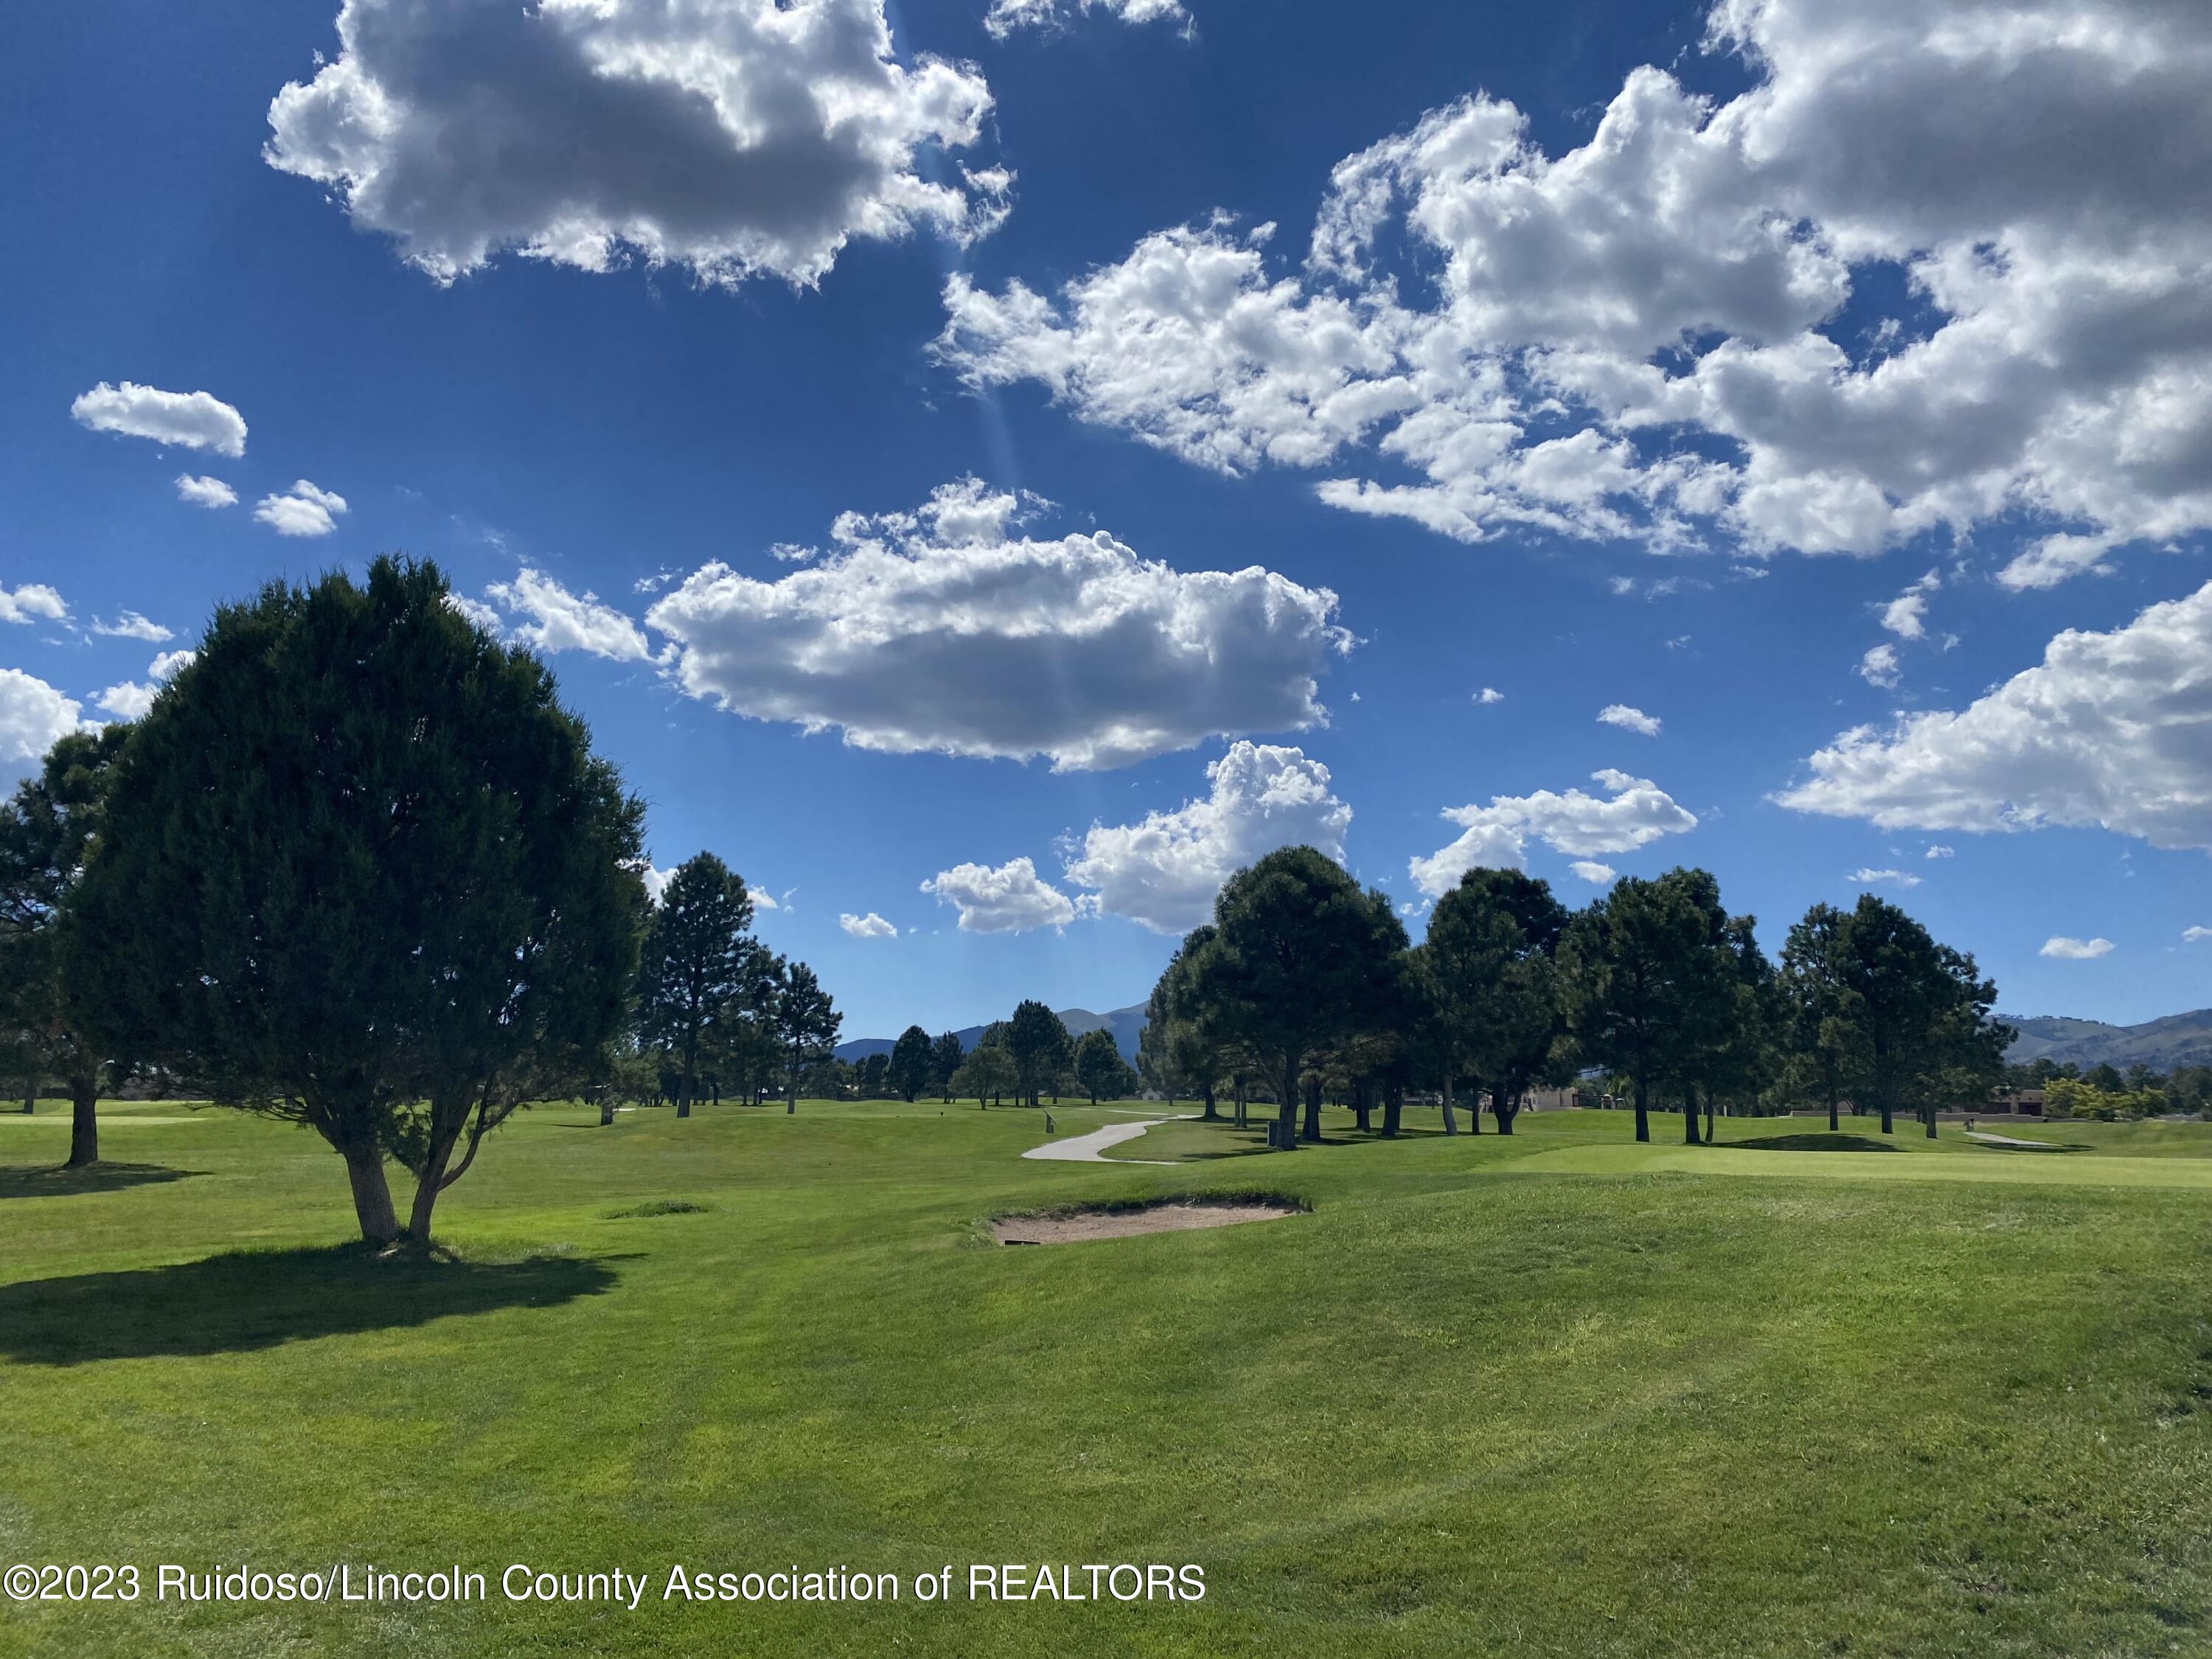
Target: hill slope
2162 1044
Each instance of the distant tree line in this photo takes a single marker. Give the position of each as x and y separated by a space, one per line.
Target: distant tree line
2106 1091
1303 986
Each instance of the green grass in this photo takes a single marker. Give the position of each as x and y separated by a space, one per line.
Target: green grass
1555 1394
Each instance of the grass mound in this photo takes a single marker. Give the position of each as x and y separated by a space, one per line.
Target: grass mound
1821 1142
658 1206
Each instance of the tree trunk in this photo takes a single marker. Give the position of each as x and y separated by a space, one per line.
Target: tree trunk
30 1097
84 1121
1930 1110
1211 1114
1690 1114
684 1098
1642 1112
1504 1108
1888 1121
606 1110
427 1185
1312 1130
1832 1124
1243 1121
1451 1123
1709 1117
372 1196
1362 1108
1394 1104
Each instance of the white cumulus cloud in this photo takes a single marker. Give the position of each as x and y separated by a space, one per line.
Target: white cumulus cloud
2076 950
1906 615
1629 720
1879 667
33 716
1591 870
1885 877
942 631
1007 16
1916 276
1010 899
32 600
1488 695
871 925
303 510
2196 935
1165 870
561 620
2109 729
203 491
130 625
735 137
1634 812
189 420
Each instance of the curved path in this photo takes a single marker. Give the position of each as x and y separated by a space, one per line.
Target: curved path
1085 1149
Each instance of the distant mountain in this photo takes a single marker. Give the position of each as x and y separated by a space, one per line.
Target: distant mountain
1123 1023
2160 1044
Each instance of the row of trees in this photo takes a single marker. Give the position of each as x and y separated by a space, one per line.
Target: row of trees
1303 982
1033 1054
358 869
716 1010
2105 1090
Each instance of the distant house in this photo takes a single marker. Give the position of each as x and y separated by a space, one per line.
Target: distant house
2025 1103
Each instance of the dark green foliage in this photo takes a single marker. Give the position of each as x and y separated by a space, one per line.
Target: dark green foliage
1100 1070
1650 980
1301 961
360 870
944 1057
804 1022
46 829
1492 946
912 1062
1040 1047
1813 1001
700 973
985 1075
1916 1016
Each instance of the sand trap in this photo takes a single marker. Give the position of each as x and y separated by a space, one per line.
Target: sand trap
1174 1218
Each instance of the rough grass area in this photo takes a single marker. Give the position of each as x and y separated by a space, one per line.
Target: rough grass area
1549 1394
658 1206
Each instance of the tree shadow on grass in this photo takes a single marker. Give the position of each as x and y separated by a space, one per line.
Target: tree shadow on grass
1821 1142
56 1181
251 1299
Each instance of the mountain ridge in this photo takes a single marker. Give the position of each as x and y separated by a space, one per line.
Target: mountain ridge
2171 1040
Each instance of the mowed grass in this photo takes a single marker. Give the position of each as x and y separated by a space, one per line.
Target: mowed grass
1553 1394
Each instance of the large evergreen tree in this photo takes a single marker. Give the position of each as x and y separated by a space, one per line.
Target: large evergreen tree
45 832
1492 941
805 1021
1916 1016
360 870
944 1057
1100 1070
911 1061
1649 983
1300 961
1813 978
1042 1052
699 973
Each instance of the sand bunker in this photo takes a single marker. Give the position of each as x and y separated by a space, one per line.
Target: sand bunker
1177 1217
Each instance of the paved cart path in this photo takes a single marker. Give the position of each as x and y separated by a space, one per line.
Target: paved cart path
1085 1149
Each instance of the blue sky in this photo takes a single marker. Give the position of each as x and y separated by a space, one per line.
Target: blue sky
1731 352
